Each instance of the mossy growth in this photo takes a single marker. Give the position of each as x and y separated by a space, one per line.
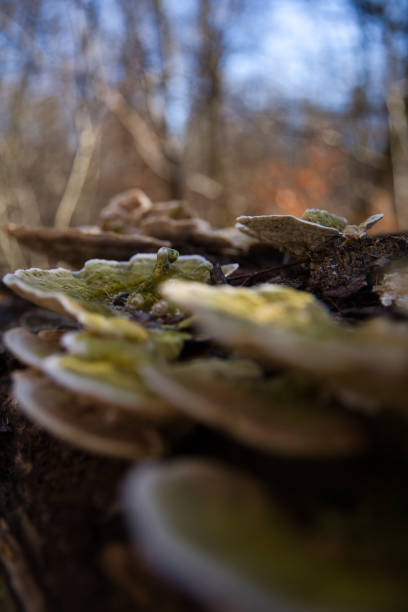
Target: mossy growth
107 383
322 217
99 280
266 305
292 329
146 294
90 295
125 353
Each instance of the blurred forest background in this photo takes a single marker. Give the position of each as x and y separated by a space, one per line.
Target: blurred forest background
239 106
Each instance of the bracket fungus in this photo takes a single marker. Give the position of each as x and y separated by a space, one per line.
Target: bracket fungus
222 537
174 221
335 259
106 383
284 415
31 349
82 422
264 377
92 396
89 295
291 329
130 223
77 413
314 230
102 368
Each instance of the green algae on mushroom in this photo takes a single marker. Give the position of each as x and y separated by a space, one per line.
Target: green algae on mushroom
99 280
282 415
104 368
326 219
89 294
106 382
124 353
221 537
291 329
322 217
145 293
83 423
263 305
102 319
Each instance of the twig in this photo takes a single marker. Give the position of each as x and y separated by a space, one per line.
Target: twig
147 142
79 171
333 303
18 572
252 275
150 146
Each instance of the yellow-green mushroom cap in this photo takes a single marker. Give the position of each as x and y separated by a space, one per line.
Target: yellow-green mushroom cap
282 415
291 329
221 537
88 294
83 423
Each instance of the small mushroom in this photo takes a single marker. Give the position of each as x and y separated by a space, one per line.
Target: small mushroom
359 231
31 348
84 423
173 221
125 354
283 415
105 382
125 210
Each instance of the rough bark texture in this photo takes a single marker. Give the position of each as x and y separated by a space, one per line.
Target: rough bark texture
62 540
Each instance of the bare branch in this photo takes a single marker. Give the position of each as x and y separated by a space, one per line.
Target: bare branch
79 171
147 142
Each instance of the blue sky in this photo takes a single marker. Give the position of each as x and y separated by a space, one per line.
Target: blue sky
307 50
294 50
290 49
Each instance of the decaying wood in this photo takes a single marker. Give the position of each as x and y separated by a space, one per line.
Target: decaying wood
63 542
60 528
75 246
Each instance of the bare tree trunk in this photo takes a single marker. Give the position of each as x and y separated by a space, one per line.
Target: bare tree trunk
210 102
399 150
